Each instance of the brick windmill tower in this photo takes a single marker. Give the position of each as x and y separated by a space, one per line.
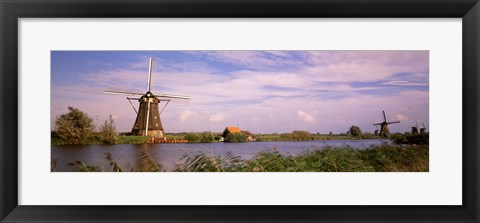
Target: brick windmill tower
148 121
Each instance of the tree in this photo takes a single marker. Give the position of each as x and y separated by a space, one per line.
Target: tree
108 132
73 126
236 137
355 131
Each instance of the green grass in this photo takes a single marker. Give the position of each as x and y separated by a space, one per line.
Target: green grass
132 139
383 158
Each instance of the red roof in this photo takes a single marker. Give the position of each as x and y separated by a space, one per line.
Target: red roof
232 129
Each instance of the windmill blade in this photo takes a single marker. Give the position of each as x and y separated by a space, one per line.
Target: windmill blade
149 74
416 123
171 96
384 117
123 93
393 122
377 124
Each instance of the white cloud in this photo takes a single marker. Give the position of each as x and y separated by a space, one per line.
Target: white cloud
185 115
310 118
400 117
405 83
217 117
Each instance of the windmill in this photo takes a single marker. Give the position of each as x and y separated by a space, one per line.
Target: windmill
148 121
415 128
384 126
423 130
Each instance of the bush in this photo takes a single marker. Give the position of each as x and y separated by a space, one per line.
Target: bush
236 137
297 135
355 131
202 137
73 127
108 132
408 138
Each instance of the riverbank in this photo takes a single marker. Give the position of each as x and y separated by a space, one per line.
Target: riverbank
209 137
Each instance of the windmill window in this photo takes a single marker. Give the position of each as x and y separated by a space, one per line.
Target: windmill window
156 124
155 117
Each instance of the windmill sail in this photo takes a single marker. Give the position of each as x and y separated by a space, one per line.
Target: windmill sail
384 131
148 120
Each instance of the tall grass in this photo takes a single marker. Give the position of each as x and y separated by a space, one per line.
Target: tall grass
201 162
383 158
328 159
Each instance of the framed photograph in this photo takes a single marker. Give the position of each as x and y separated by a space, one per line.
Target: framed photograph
239 111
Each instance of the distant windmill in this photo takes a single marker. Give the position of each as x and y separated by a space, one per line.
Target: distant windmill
423 130
148 116
415 128
384 126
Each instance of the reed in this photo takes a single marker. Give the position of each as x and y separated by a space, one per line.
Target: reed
383 158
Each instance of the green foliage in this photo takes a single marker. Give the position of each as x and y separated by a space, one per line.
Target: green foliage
201 162
200 137
150 165
92 138
113 163
383 158
73 127
408 138
108 132
132 139
236 137
355 131
306 136
367 135
298 135
269 162
80 166
325 160
397 158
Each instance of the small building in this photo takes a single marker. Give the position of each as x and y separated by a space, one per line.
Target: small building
230 129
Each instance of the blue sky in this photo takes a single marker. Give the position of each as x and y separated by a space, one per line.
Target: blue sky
260 91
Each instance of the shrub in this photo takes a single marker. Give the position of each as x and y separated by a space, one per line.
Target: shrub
355 131
408 138
73 127
236 137
199 137
108 132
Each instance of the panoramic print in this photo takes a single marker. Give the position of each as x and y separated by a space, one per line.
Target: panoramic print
240 111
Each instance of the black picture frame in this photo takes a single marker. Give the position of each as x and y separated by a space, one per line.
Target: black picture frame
11 11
